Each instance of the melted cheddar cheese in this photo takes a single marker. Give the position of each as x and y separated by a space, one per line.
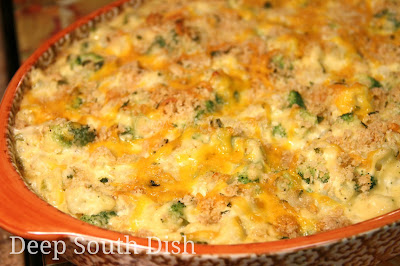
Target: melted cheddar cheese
226 122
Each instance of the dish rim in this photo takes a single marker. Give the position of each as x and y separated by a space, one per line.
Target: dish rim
45 222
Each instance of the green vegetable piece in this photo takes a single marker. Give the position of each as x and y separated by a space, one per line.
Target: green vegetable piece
295 98
374 83
89 58
70 176
160 41
43 185
126 19
382 13
73 133
396 23
244 179
267 5
128 131
175 36
312 171
374 182
308 116
210 106
390 16
307 180
236 95
82 134
324 178
199 114
95 59
84 46
278 61
76 102
219 99
177 208
104 180
279 130
100 219
348 117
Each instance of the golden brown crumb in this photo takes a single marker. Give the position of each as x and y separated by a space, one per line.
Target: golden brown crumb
287 226
211 209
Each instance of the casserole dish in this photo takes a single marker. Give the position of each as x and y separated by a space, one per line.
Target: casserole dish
25 214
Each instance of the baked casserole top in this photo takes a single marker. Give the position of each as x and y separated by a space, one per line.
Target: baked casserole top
223 121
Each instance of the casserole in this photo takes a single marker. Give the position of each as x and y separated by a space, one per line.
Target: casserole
277 250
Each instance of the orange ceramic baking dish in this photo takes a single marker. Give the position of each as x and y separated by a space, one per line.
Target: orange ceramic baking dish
24 214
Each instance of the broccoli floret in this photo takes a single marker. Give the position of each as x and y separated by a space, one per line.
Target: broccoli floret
374 182
199 114
309 116
279 130
244 179
177 208
210 106
278 61
307 180
295 98
160 41
219 99
374 83
77 102
128 134
390 17
100 219
310 174
178 215
72 133
97 61
348 117
366 186
324 178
